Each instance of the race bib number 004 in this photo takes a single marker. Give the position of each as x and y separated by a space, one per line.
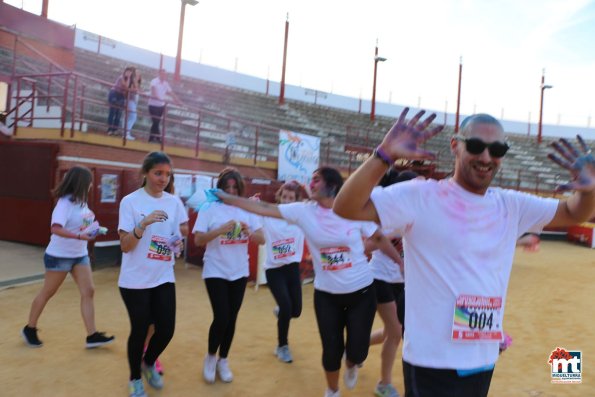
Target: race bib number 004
477 318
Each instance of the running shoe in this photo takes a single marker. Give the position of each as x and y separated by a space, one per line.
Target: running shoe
98 339
29 334
223 370
350 376
159 367
386 391
330 393
136 388
152 376
284 354
209 370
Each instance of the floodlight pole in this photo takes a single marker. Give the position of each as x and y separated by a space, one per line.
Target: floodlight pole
459 96
181 36
543 87
376 60
282 90
44 8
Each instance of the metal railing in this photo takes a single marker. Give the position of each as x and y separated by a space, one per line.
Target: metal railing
82 104
79 108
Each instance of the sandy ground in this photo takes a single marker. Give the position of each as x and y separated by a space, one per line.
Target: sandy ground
550 304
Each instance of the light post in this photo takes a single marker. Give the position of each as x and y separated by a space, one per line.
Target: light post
458 113
282 88
181 35
376 60
543 87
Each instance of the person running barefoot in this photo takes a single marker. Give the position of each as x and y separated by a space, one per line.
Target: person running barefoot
72 229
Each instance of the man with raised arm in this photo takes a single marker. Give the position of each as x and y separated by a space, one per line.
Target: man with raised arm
459 237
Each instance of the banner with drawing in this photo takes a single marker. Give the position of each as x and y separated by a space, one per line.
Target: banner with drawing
299 156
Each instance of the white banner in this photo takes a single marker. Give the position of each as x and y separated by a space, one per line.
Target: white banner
299 156
183 185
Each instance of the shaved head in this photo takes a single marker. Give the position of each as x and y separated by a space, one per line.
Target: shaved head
481 118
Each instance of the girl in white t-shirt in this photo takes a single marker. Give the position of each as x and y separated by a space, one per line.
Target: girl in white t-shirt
67 252
284 251
344 298
151 225
226 231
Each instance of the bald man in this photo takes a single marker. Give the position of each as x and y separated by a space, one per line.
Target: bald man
459 237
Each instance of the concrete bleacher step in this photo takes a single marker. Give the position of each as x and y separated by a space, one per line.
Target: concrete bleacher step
336 127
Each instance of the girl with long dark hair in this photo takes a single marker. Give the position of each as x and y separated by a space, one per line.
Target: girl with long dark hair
152 224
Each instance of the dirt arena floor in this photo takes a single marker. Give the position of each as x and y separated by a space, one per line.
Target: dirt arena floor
551 303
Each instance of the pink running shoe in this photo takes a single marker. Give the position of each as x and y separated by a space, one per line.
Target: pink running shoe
158 367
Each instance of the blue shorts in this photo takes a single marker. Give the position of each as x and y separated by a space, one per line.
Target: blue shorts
57 264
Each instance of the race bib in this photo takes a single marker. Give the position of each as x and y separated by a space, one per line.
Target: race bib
236 236
159 249
283 248
477 318
334 259
88 219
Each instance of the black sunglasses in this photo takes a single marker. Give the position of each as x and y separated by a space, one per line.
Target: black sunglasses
477 146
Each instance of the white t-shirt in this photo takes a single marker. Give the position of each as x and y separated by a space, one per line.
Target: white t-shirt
284 242
160 89
336 246
383 267
456 244
151 262
73 217
226 256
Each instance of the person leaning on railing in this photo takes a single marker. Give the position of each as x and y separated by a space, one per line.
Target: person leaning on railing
160 89
134 86
117 100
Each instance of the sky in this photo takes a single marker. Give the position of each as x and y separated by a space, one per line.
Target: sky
505 45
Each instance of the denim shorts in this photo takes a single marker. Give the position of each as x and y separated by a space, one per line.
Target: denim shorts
57 264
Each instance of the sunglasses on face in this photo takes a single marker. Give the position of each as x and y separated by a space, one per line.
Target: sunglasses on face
477 146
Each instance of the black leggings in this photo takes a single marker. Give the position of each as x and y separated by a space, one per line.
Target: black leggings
149 306
335 312
286 287
226 299
432 382
156 113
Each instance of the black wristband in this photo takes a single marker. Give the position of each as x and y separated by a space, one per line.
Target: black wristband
135 235
530 234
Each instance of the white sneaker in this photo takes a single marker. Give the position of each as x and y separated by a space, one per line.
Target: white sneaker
129 137
350 376
330 393
209 368
223 370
